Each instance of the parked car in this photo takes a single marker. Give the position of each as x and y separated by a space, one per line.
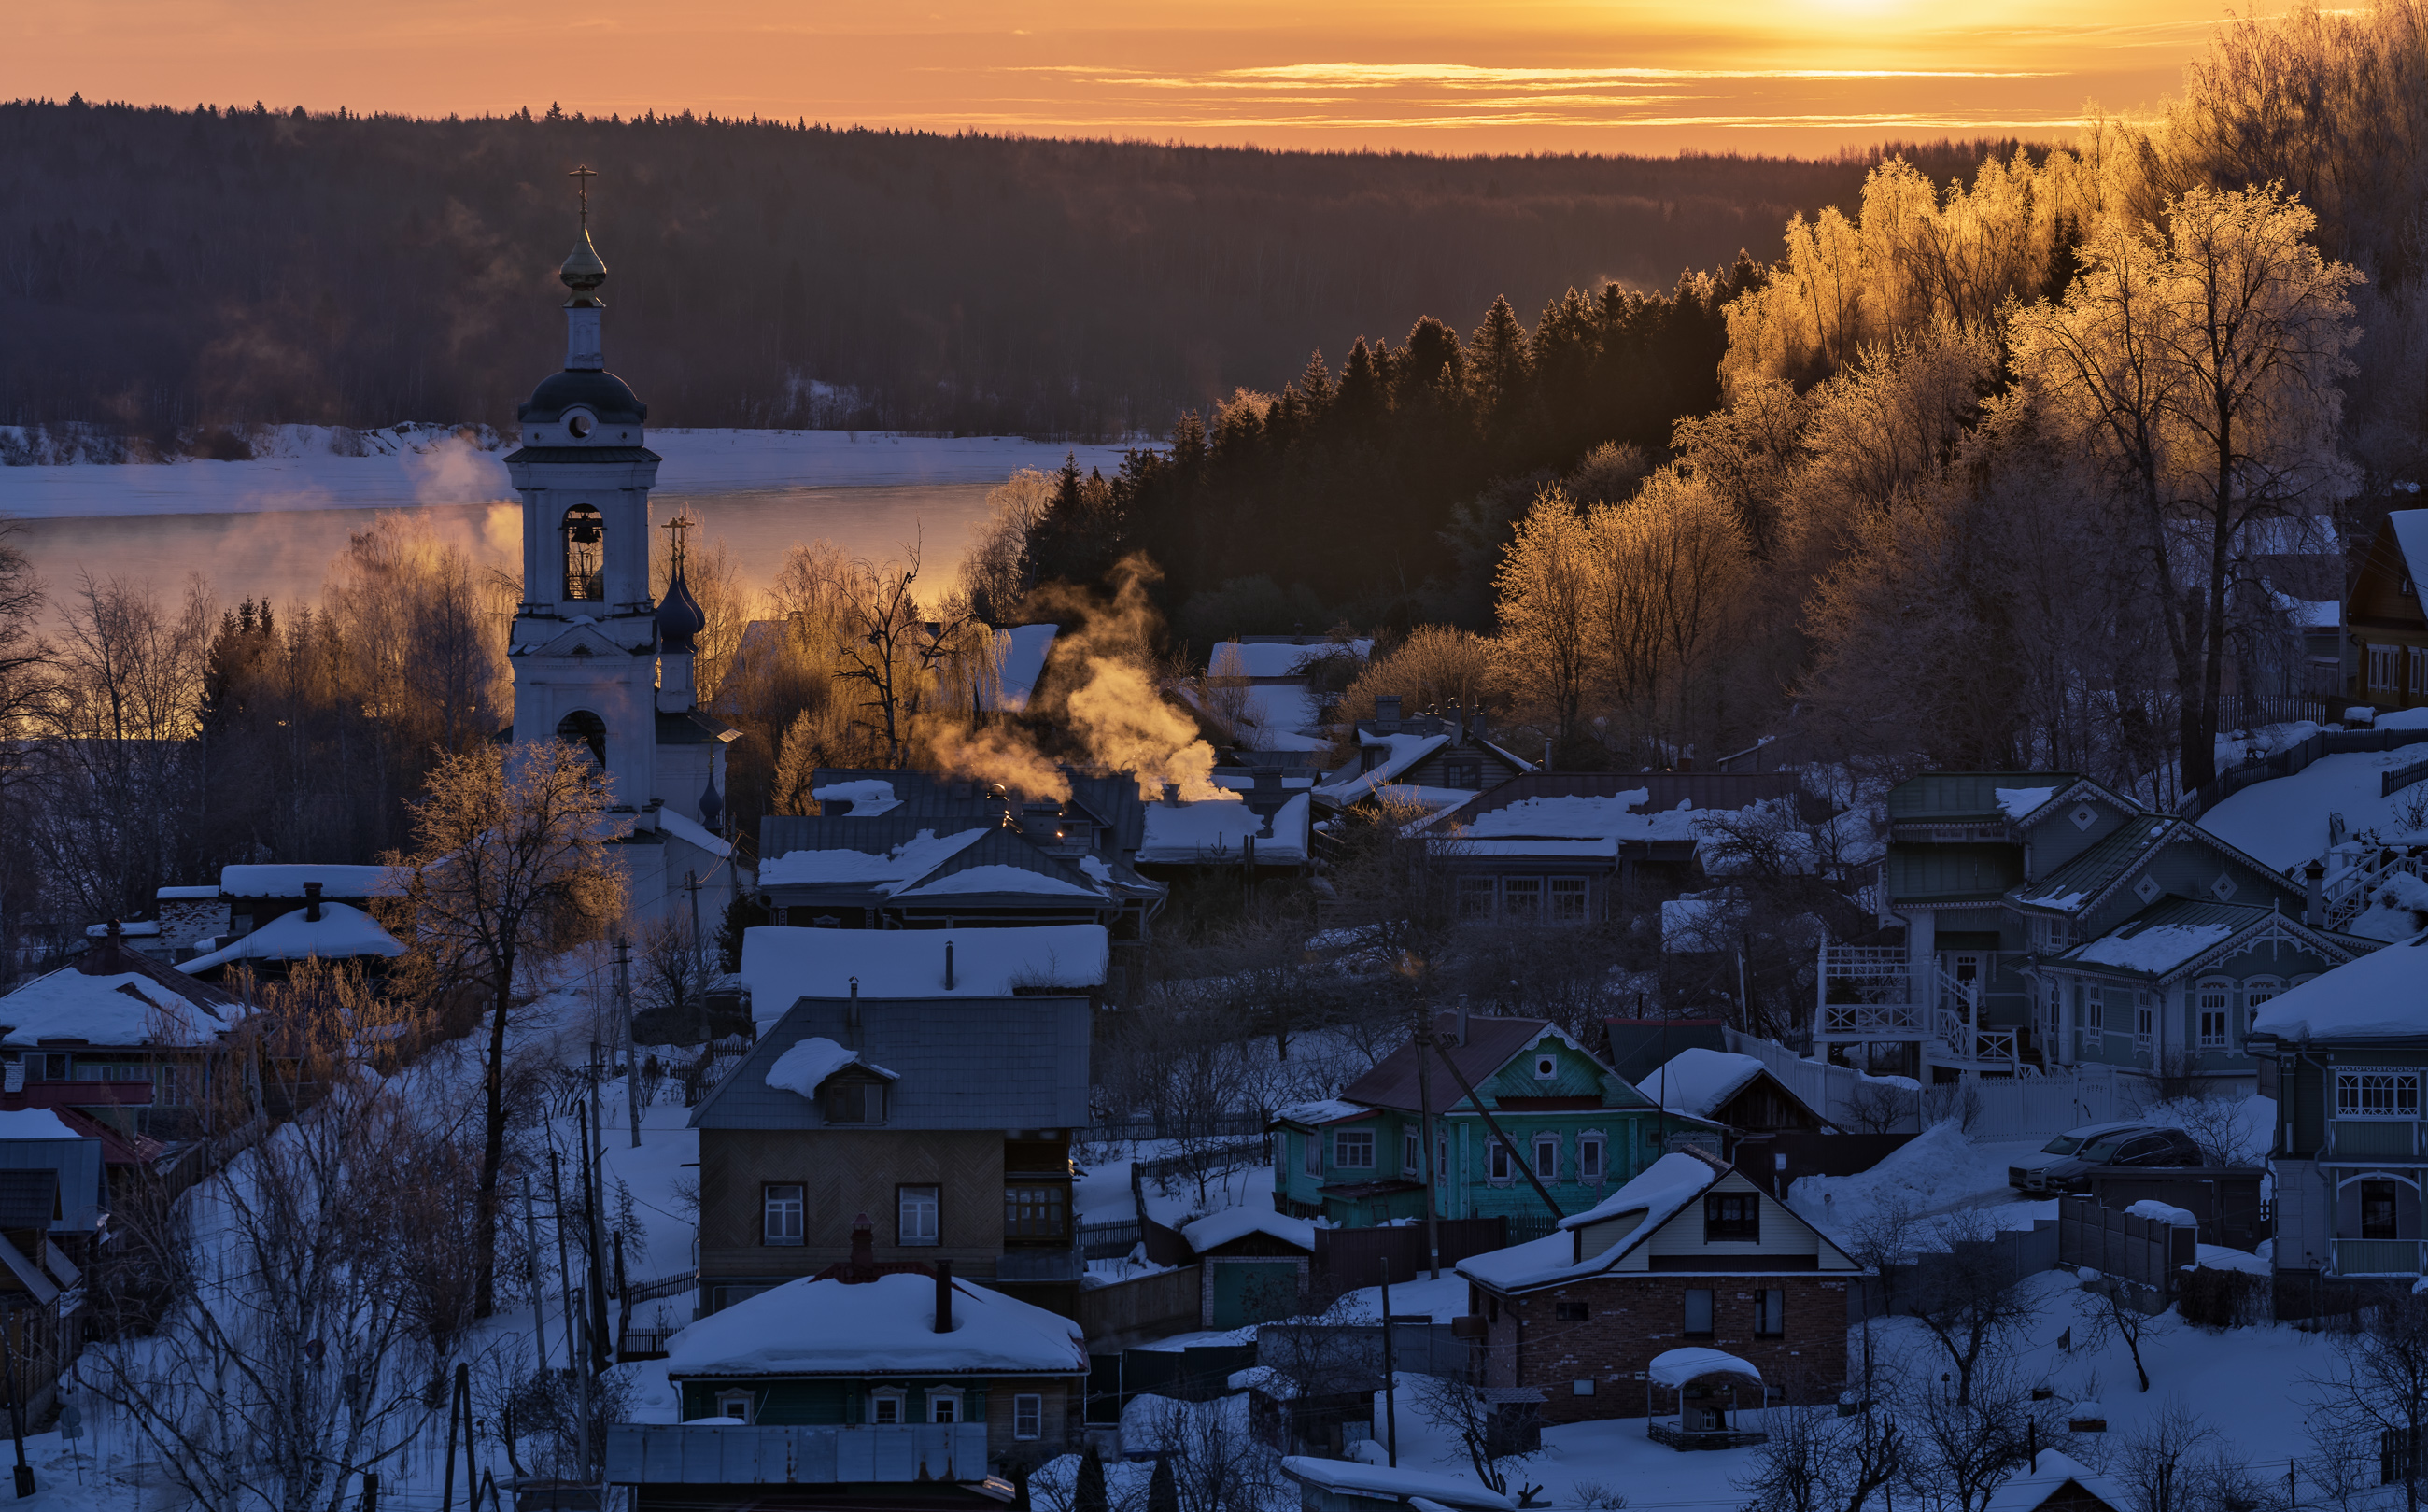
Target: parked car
2066 1161
2063 1147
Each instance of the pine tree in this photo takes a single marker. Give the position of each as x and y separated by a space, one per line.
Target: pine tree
1162 1492
1498 360
1089 1494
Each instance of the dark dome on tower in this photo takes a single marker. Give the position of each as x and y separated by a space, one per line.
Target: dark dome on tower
680 616
604 394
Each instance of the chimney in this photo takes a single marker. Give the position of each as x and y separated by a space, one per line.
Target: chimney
1386 713
1171 795
311 902
948 965
2314 900
863 1251
943 1296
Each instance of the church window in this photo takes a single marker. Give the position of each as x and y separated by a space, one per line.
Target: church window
585 552
584 729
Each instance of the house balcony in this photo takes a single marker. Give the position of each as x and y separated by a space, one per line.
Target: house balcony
736 1454
1866 992
2375 1256
2372 1139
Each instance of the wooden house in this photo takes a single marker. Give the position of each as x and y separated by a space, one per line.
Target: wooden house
1736 1090
944 1121
2385 618
1689 1254
116 1015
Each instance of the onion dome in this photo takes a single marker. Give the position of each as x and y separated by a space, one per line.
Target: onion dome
680 616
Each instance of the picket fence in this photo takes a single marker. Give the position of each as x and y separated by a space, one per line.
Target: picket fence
2026 1106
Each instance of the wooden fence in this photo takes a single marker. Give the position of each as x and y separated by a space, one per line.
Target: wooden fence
1350 1259
2293 758
1146 1306
2143 1251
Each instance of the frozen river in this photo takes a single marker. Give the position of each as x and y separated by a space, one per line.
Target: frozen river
270 528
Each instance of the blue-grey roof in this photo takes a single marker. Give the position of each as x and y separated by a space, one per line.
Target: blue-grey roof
961 1064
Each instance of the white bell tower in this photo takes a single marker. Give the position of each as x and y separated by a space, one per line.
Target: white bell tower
585 646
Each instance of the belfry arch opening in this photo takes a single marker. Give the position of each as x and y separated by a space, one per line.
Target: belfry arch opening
586 554
586 729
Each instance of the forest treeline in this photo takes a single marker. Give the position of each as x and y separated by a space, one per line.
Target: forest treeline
2035 464
166 270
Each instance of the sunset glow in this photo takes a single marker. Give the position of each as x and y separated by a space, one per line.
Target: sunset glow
1527 76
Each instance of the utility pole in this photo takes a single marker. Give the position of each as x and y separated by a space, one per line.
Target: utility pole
593 1179
1432 1177
1390 1373
16 1401
632 1063
564 1278
539 1307
698 957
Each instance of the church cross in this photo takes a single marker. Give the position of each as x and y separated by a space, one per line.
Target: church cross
583 176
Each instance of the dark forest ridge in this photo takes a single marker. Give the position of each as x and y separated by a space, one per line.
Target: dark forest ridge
176 269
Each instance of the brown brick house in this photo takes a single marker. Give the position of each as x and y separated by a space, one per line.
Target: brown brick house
1689 1253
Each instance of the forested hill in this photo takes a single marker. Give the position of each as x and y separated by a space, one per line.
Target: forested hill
161 270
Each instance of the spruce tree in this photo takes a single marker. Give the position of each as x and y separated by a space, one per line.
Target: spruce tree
1162 1492
1089 1494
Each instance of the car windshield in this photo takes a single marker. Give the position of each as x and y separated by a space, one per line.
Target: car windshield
2062 1144
2105 1149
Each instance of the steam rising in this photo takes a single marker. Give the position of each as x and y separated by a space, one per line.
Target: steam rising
1118 712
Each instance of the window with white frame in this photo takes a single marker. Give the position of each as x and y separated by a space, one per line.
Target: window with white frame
1590 1151
2145 1020
2094 1017
2384 667
2418 671
735 1404
1313 1145
1501 1170
2377 1093
1028 1416
2258 991
1521 900
781 1223
1353 1148
945 1403
1411 1154
915 1215
1547 1156
1570 896
1475 897
885 1405
2214 1001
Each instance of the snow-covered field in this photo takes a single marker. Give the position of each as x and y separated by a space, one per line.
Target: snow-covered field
432 466
2283 822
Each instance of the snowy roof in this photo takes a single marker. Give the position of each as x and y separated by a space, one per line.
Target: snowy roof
1401 751
2410 528
1699 1081
952 1062
2046 1478
805 1066
868 797
342 933
1209 828
693 832
186 894
2015 803
885 872
1231 657
1323 1110
2161 1213
1357 1478
1658 1191
288 880
35 1124
2156 941
1020 660
783 963
1659 1194
128 1008
885 1326
2383 996
1684 1367
1219 1229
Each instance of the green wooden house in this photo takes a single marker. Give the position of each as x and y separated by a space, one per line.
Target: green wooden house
1357 1159
2344 1056
887 1344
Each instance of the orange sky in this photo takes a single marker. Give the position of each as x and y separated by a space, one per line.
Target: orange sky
1507 75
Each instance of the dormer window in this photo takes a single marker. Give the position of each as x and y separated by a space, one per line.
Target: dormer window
847 1098
586 554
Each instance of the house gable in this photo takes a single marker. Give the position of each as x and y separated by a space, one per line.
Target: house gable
1683 1243
1572 1073
2386 590
2074 819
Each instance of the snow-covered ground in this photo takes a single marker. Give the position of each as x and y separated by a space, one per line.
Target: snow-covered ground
433 467
2283 821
